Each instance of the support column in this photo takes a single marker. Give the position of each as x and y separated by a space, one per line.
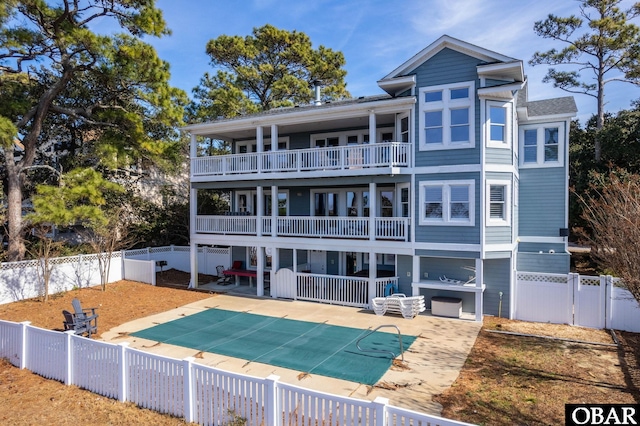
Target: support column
275 265
259 210
193 252
415 275
373 269
193 257
274 211
259 147
373 208
260 271
274 137
372 127
479 293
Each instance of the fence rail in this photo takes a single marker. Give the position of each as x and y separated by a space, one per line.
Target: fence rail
198 393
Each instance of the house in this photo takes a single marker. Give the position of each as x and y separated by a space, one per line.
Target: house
444 186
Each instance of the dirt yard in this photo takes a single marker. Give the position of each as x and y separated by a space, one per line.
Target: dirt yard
507 379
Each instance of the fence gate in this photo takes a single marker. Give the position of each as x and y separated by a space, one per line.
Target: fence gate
589 301
286 284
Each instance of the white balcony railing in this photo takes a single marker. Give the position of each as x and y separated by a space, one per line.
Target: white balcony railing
386 228
350 157
339 290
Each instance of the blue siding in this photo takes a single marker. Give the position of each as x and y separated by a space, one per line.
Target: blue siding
451 268
543 192
448 234
557 263
404 265
498 156
497 278
445 67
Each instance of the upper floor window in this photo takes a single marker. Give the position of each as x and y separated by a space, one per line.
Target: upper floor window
542 145
499 124
447 116
447 203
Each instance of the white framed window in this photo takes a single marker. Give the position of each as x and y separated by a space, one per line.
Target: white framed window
498 204
542 145
447 114
447 203
499 124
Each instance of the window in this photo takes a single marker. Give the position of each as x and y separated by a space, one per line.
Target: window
499 124
542 145
551 144
447 203
498 203
447 116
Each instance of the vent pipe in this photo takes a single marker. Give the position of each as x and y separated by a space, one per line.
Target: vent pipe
317 100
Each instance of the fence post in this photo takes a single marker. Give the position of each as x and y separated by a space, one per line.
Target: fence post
187 373
23 345
380 408
575 290
123 255
272 404
148 253
607 282
123 379
68 377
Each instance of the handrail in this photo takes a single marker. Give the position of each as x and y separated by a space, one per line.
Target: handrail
393 355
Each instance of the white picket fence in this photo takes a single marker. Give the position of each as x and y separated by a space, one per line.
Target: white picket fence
596 302
183 388
22 280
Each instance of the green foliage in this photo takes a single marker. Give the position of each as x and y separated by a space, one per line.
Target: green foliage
620 139
80 198
610 44
104 99
270 68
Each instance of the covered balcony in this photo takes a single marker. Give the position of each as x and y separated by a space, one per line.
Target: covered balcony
363 159
376 228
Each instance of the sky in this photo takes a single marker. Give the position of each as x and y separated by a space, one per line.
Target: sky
376 36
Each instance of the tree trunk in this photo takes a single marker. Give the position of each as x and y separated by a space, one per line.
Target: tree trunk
16 249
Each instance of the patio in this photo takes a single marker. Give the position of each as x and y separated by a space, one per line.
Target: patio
431 365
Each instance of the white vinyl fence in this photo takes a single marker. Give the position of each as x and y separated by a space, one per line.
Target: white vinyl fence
22 280
183 388
596 302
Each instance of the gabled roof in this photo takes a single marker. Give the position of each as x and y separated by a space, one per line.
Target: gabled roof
451 43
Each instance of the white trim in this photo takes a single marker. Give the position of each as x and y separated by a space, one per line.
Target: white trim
533 239
447 42
445 106
459 168
446 247
506 184
446 203
508 125
291 116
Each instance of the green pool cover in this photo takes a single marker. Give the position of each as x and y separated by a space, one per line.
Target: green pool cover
314 348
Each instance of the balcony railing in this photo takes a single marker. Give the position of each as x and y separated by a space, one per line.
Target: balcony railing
386 228
350 157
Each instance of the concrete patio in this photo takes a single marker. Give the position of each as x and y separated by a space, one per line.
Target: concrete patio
430 366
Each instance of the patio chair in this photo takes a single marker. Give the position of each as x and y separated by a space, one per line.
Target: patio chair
79 325
87 315
222 278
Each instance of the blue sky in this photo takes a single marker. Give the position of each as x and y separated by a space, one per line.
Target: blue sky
375 36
